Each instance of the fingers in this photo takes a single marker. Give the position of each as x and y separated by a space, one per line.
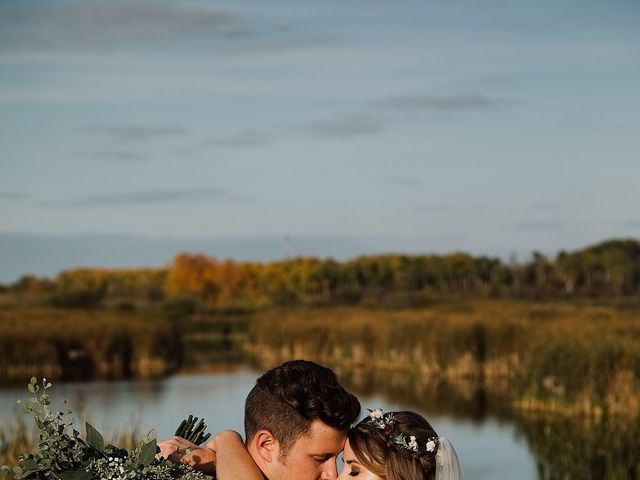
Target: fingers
171 448
167 447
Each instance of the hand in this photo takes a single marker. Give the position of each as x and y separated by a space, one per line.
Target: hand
199 458
175 448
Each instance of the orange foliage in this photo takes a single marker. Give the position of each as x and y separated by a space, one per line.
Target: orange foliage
217 283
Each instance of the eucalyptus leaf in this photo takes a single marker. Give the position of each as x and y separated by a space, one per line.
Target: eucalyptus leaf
78 474
94 438
29 464
62 454
82 474
148 453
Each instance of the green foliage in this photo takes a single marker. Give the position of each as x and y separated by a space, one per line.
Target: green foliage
611 268
195 281
193 432
63 454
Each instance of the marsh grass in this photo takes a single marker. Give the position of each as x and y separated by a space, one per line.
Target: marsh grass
583 448
16 438
84 344
563 356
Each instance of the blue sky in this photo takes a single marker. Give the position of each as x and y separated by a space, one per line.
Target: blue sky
258 129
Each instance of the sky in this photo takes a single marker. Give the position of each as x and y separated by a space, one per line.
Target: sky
131 130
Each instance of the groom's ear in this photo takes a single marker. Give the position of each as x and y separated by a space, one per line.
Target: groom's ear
266 445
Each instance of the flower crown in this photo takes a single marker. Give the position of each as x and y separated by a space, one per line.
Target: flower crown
386 422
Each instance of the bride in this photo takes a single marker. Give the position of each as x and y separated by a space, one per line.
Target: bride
383 446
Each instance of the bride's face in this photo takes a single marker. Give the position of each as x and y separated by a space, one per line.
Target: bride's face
353 469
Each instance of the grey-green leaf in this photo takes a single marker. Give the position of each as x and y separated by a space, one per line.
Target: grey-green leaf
29 465
148 452
94 438
79 474
82 474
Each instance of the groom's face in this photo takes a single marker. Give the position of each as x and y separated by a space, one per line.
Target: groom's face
313 456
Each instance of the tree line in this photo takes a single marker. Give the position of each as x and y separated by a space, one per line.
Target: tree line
611 268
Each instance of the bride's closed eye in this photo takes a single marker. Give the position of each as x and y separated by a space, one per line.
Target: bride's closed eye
353 473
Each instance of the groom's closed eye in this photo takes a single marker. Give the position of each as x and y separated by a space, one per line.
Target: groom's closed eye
322 458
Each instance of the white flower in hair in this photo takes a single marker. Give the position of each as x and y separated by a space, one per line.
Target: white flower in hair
431 445
413 445
376 414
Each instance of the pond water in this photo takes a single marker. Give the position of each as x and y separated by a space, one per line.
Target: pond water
490 444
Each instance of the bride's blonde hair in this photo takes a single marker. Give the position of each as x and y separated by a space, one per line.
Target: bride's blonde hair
378 452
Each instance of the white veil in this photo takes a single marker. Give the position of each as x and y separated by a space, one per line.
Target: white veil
447 465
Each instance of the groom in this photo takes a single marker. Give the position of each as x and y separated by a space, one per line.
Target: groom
296 421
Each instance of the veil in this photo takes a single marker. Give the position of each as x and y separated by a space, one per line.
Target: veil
447 465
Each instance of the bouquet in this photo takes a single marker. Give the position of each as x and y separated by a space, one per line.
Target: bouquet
62 454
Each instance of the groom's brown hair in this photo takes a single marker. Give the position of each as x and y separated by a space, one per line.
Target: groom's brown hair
288 398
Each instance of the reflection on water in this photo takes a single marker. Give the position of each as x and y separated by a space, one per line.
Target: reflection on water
493 443
150 405
562 448
580 449
466 400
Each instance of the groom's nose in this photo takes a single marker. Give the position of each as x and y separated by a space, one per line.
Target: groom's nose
330 472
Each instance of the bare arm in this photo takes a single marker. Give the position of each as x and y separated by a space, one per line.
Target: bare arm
202 459
233 459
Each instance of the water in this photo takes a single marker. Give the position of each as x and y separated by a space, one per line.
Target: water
489 448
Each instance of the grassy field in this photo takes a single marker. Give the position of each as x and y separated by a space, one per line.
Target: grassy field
84 344
575 358
566 357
